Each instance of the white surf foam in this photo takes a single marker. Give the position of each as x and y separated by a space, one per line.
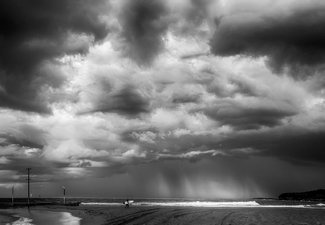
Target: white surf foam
203 204
32 217
100 203
23 221
207 204
186 204
285 206
68 219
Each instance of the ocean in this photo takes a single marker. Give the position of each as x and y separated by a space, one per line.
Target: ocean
23 216
191 202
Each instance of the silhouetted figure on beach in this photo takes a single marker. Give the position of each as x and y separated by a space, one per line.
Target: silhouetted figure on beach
127 203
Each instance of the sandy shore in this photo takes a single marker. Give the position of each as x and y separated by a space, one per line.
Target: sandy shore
92 215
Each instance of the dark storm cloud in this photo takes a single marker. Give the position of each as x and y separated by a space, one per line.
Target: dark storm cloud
143 23
99 144
162 146
25 136
243 117
192 56
11 140
300 148
32 34
20 164
294 39
15 102
293 145
183 98
290 144
193 15
126 101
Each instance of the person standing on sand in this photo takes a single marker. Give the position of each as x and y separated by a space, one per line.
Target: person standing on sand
127 203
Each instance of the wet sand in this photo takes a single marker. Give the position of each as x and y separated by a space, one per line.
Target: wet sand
92 215
23 215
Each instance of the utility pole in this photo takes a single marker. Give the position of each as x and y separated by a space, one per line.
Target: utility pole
63 195
12 195
28 179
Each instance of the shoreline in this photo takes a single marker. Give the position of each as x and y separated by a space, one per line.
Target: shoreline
88 216
75 215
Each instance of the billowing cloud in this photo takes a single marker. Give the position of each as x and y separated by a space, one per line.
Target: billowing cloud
162 98
289 33
248 116
126 101
143 25
33 35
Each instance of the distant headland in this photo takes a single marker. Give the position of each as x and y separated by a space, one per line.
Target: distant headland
308 195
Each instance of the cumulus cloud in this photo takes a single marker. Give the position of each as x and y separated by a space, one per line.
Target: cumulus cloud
143 25
126 101
18 104
249 115
167 84
290 34
33 35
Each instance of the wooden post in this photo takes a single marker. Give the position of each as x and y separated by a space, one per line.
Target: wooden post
12 195
63 195
28 179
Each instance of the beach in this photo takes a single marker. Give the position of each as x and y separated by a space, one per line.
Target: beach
102 215
197 215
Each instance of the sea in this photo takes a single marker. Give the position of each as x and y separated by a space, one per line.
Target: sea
25 216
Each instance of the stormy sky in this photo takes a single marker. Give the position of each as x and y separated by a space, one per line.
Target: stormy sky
162 98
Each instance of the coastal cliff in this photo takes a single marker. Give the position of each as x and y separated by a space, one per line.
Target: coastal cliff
308 195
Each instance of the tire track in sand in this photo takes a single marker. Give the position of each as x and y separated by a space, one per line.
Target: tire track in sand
226 217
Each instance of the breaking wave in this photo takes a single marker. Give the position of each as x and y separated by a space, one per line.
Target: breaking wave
220 204
186 204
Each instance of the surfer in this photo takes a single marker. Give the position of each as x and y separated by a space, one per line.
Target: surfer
127 203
